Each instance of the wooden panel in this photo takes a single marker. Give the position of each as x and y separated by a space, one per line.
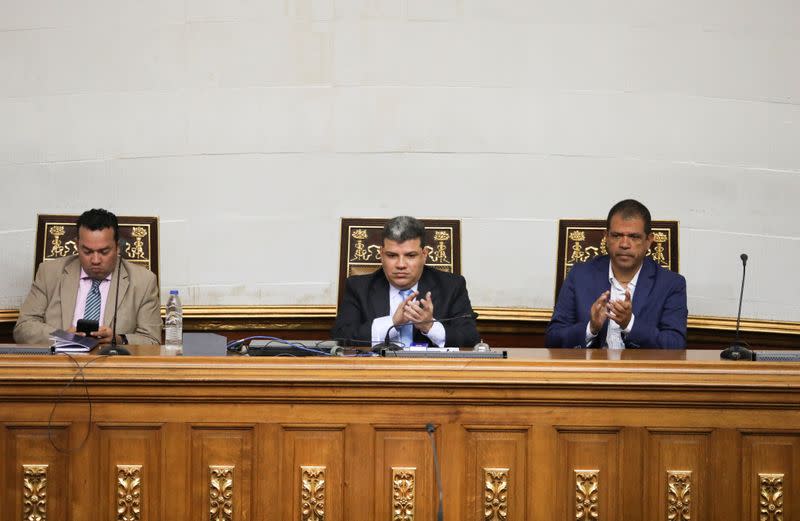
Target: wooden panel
496 472
313 446
683 457
29 445
214 447
404 447
589 450
130 445
775 454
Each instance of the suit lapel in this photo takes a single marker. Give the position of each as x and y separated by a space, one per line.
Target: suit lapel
124 282
600 286
427 283
69 291
379 295
644 286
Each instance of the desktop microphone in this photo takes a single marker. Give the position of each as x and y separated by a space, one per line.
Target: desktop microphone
431 429
114 349
396 346
737 350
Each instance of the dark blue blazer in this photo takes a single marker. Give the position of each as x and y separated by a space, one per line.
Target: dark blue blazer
659 305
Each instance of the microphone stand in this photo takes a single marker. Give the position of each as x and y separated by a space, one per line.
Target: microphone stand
737 350
113 349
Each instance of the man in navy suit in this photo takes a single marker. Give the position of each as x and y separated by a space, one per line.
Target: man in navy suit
406 294
623 299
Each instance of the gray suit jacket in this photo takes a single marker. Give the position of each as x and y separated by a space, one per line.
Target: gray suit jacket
50 304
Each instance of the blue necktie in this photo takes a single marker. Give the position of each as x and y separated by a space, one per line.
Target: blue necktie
407 331
92 310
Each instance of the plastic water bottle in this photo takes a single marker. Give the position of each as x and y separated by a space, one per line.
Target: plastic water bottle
173 324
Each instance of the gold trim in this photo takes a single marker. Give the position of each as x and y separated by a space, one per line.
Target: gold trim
129 492
312 493
486 314
495 494
34 492
771 497
679 495
587 484
403 493
220 492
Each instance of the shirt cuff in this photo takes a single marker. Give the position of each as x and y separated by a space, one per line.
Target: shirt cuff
379 328
589 336
436 334
630 326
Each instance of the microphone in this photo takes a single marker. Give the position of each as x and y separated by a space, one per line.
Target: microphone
431 429
114 349
737 350
396 346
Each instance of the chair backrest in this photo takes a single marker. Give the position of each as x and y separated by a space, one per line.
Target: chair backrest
57 236
360 248
579 240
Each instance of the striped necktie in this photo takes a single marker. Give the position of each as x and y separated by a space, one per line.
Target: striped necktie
407 331
92 310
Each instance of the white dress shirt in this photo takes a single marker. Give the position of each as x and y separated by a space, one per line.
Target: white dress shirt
614 334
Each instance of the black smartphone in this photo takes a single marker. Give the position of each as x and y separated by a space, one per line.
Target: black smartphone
87 326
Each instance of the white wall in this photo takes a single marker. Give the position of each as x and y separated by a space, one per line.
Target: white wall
250 126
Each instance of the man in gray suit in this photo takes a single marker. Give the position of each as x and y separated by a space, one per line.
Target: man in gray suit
85 286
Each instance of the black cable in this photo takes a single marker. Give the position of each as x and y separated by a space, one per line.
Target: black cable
80 373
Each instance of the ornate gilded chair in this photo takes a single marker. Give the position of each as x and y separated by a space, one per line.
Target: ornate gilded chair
582 239
57 236
361 244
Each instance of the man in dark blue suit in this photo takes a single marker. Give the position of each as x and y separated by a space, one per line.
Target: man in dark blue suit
623 299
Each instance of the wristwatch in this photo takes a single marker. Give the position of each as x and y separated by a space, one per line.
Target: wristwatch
124 339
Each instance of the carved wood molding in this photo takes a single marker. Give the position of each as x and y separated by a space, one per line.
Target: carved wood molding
495 494
221 314
220 492
770 497
129 492
679 495
404 487
587 483
34 492
312 493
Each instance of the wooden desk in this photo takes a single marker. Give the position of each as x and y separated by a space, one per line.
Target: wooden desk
545 435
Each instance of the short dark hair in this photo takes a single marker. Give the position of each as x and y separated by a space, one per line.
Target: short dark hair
98 219
630 209
404 228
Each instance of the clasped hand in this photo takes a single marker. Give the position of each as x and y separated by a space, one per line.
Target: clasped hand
620 311
418 312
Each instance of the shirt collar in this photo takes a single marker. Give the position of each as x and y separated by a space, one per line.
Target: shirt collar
631 284
394 291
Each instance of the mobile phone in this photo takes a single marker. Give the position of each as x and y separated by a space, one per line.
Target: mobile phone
87 326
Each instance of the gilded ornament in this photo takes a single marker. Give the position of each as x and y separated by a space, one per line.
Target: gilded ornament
34 492
312 497
220 493
679 495
586 495
771 497
403 493
129 492
495 494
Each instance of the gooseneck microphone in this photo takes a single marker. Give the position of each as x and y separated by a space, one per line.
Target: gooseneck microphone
440 513
737 350
113 349
395 346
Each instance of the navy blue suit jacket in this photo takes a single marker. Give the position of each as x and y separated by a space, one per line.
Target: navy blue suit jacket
366 298
659 305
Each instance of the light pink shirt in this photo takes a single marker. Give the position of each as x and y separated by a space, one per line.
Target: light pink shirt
84 287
